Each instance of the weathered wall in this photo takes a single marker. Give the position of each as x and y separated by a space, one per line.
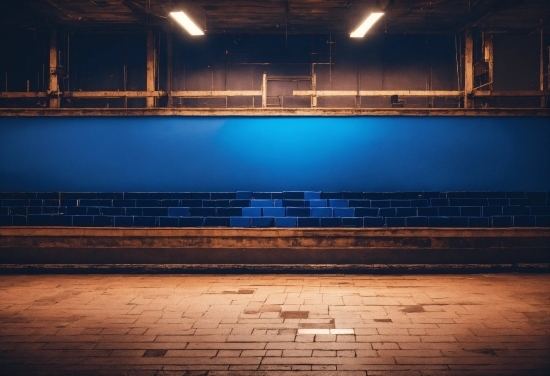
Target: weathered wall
275 154
237 62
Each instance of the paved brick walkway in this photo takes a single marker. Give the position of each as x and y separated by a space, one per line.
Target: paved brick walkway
279 324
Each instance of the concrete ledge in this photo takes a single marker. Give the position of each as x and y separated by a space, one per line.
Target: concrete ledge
222 249
271 268
271 111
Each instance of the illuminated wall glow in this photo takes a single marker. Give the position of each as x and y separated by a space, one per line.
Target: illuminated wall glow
274 154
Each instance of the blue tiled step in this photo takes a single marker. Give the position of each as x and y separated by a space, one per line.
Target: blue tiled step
307 195
259 221
277 209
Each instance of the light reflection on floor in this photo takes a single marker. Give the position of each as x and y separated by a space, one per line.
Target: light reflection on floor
174 324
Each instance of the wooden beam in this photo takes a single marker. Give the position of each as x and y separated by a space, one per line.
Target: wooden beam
150 85
289 78
161 93
114 94
468 69
275 111
23 94
509 93
216 93
378 93
53 87
257 93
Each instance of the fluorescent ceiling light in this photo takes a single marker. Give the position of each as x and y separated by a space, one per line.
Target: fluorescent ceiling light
186 22
366 25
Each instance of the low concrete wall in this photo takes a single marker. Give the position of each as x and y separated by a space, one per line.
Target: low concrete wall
222 249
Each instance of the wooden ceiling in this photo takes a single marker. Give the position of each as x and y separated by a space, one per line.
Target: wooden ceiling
284 16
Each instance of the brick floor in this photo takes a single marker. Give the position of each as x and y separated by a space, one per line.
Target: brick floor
222 325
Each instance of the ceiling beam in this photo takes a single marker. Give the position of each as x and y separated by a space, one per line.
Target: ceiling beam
284 16
142 13
62 11
484 9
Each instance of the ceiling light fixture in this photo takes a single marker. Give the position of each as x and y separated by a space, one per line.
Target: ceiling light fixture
366 25
186 22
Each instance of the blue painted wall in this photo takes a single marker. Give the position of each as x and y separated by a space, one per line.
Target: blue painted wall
275 154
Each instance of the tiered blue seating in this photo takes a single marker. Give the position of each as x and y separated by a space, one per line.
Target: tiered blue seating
276 209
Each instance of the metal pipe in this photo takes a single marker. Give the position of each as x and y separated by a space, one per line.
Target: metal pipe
457 66
314 89
251 77
169 68
480 86
330 60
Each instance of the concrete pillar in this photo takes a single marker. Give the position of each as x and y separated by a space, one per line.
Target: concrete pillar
150 101
541 85
53 87
488 56
169 69
264 90
468 69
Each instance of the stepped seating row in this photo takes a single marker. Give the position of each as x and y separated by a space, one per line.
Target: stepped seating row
293 209
432 211
144 221
262 203
246 195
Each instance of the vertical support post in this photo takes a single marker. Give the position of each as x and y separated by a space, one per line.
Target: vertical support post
314 89
150 101
125 72
468 69
542 99
264 90
169 69
53 88
488 56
